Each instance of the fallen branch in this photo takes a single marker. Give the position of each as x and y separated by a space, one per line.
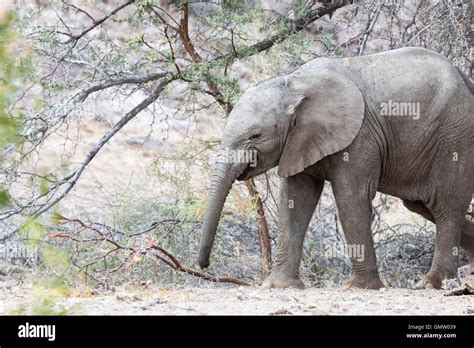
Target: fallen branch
466 289
163 255
177 266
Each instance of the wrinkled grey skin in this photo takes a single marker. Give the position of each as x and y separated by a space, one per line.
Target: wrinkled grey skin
324 122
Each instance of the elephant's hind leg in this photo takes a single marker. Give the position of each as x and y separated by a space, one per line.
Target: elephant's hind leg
445 260
467 238
467 242
299 196
449 213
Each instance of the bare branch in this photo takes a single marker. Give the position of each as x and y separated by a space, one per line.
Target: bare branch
79 10
184 34
185 39
179 267
71 179
75 38
164 256
126 80
370 27
264 235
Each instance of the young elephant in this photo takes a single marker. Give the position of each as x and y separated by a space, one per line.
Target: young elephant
399 122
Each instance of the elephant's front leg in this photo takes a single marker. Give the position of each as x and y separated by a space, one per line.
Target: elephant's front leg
299 196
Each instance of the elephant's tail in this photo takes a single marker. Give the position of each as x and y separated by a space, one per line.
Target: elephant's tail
467 81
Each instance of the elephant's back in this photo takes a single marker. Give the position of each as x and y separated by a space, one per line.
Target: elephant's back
417 80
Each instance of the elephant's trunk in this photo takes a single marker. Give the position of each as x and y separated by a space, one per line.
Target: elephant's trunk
222 179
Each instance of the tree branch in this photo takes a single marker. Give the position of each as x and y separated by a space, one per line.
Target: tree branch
370 27
264 235
189 47
126 80
183 32
75 38
166 257
298 25
71 179
176 265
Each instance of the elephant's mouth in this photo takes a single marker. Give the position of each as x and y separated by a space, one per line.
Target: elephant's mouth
249 171
246 174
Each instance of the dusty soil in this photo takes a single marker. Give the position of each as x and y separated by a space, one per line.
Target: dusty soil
249 301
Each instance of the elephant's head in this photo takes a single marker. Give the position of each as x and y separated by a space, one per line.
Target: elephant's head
291 122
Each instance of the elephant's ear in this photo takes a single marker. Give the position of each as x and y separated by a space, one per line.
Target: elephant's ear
328 116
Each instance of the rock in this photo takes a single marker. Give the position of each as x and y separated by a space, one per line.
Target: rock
466 289
136 297
464 271
319 312
122 298
469 283
450 284
281 312
156 301
469 310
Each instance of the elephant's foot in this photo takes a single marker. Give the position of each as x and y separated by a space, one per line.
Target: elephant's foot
433 280
281 281
371 283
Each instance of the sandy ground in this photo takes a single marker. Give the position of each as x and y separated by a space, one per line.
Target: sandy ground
251 301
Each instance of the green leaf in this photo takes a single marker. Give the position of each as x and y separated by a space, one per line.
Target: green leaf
33 231
58 219
44 186
4 198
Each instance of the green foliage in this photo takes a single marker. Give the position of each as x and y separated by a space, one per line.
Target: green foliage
331 44
10 69
237 24
57 218
301 8
55 259
45 181
53 275
33 231
4 198
45 298
203 72
236 14
145 3
8 72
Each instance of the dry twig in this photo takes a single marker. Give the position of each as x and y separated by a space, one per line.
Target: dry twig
153 249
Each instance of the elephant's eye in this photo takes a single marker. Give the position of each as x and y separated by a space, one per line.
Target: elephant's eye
255 136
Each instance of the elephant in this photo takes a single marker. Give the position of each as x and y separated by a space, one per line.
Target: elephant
398 122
